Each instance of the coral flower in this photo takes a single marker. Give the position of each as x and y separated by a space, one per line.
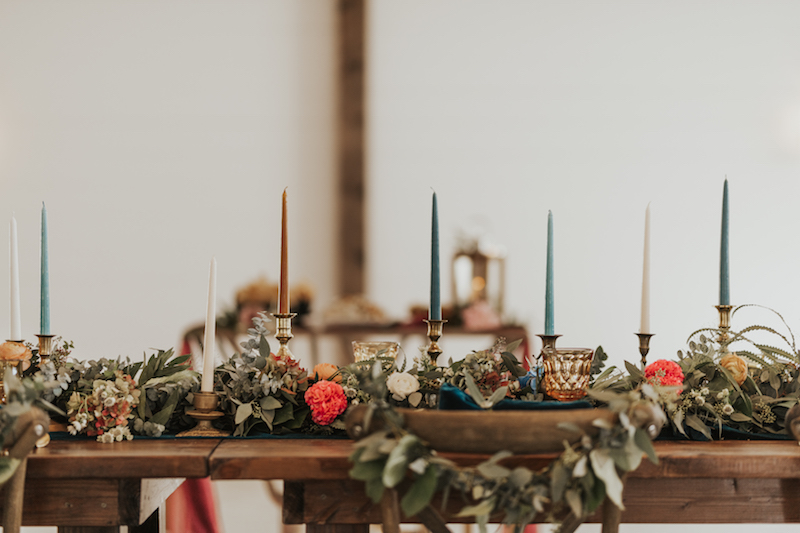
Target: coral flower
736 366
664 373
326 400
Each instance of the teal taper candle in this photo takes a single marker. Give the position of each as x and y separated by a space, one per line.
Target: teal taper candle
549 303
724 271
44 308
435 312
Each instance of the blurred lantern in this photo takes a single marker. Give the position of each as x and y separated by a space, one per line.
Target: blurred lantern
479 274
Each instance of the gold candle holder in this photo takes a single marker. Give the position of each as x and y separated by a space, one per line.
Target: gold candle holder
548 343
435 328
45 346
724 325
644 346
283 332
205 410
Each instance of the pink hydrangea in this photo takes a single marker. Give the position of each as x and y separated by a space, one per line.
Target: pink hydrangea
326 400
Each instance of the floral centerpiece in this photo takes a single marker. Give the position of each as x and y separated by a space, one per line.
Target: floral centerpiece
710 389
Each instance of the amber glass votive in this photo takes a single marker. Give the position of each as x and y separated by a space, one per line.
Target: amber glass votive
365 351
567 372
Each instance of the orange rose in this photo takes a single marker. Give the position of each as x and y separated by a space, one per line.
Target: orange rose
14 351
324 371
736 366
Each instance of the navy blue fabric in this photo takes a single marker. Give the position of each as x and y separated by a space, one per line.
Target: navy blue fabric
451 398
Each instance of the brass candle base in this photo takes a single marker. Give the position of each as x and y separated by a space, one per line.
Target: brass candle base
45 346
283 332
205 405
435 328
548 343
724 325
644 346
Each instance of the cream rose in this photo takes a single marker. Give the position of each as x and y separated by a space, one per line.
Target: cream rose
14 351
401 384
736 366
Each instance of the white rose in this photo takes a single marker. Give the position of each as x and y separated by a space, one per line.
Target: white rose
401 384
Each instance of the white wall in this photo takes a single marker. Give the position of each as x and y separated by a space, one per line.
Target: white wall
161 134
590 109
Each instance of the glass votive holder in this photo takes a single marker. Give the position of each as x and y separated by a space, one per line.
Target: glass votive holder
368 350
567 372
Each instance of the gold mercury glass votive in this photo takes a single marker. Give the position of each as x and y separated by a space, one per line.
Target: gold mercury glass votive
567 372
367 350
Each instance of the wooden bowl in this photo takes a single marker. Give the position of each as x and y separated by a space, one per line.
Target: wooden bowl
520 432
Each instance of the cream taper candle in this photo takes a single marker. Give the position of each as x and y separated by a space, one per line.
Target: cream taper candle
209 339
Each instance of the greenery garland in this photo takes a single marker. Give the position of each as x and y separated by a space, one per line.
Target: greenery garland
576 482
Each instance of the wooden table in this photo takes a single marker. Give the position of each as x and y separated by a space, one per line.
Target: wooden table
694 482
84 486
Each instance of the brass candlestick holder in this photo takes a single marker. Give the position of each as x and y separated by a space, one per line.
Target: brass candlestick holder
435 328
644 346
205 410
283 332
724 325
548 343
45 346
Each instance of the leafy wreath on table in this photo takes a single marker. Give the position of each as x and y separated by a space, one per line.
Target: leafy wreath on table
573 485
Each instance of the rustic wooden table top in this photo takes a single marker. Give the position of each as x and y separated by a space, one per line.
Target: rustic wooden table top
141 458
305 459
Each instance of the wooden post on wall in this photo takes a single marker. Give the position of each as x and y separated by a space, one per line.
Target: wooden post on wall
351 22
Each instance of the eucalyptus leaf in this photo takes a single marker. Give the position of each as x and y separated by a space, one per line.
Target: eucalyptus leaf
374 489
243 412
604 468
8 465
695 423
644 443
559 476
263 347
493 471
270 402
414 398
485 507
366 470
421 492
474 391
396 464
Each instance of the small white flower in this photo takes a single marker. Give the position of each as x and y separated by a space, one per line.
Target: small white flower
700 400
704 391
401 384
109 401
727 409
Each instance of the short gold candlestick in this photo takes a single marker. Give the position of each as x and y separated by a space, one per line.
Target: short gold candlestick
205 410
435 328
548 343
724 325
45 346
644 346
283 332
